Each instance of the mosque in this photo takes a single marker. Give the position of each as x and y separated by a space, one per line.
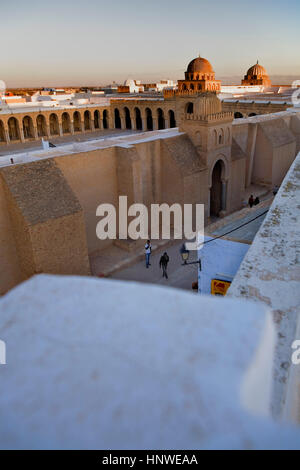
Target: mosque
25 122
189 149
220 369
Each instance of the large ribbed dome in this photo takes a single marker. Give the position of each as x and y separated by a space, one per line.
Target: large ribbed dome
200 65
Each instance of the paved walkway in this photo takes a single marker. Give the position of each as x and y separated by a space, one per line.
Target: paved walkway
266 198
246 233
255 190
179 276
116 263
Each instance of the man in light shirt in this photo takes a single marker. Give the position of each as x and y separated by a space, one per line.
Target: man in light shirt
148 253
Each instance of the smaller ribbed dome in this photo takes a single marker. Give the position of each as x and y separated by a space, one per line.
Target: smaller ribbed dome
257 70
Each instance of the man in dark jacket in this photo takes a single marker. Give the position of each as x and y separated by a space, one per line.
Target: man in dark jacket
251 201
163 263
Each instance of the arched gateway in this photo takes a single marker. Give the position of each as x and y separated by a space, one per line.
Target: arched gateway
218 190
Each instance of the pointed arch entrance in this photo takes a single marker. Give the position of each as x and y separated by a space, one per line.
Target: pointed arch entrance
218 189
77 121
149 119
172 121
127 118
117 119
41 125
161 119
28 128
138 119
66 123
97 119
105 119
189 109
54 125
2 132
87 121
13 129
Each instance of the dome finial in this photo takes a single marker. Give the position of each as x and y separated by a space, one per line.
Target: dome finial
257 62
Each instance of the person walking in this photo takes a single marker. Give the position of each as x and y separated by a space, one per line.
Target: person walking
257 201
163 263
148 253
251 201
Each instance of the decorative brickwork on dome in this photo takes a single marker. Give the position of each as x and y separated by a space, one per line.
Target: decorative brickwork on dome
257 75
200 76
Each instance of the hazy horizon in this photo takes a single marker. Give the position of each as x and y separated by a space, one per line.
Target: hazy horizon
276 80
71 44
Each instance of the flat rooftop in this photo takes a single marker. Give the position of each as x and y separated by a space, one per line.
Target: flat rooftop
125 141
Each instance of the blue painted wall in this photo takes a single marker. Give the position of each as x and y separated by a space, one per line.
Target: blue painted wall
220 259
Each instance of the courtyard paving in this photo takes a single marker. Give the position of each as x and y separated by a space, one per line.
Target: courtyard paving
116 263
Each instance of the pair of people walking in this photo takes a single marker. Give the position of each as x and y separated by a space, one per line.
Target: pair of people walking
253 202
163 262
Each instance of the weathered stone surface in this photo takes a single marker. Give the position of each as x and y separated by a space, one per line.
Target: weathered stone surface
236 151
277 132
270 273
113 365
40 191
184 154
47 220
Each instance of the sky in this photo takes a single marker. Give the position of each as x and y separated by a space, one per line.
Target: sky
96 42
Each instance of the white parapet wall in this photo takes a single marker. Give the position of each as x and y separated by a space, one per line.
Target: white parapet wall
291 409
102 364
270 273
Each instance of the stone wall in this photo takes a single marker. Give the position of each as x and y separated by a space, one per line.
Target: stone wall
46 220
92 175
10 272
48 207
270 144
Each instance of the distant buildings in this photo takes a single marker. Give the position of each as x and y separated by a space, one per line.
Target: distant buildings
49 112
135 86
